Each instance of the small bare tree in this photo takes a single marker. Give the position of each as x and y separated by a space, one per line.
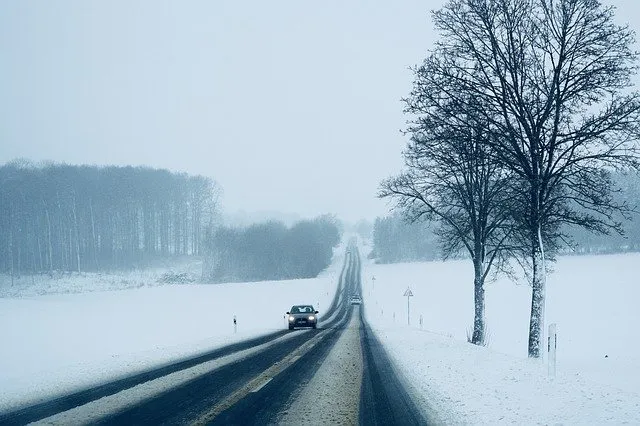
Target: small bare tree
452 179
552 78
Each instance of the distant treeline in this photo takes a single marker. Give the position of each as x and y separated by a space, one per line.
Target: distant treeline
270 250
396 240
583 242
76 218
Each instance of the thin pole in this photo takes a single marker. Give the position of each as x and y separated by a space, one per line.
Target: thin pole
408 316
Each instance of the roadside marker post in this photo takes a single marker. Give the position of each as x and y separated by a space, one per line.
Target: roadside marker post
552 345
408 293
235 325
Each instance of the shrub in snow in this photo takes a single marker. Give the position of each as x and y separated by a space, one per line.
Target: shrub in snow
175 278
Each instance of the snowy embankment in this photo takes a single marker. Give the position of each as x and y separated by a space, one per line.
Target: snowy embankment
593 300
56 343
174 271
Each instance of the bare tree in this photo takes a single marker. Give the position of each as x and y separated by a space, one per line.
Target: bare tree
453 179
552 78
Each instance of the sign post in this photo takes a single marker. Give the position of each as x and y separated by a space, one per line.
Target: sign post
408 293
552 344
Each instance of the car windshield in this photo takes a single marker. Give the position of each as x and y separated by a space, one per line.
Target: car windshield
302 309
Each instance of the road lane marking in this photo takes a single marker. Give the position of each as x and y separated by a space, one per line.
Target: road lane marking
257 389
94 411
262 378
340 378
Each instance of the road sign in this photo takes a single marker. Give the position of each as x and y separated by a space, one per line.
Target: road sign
408 293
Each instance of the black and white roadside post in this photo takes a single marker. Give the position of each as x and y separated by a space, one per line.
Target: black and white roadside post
373 282
552 345
420 321
408 293
235 324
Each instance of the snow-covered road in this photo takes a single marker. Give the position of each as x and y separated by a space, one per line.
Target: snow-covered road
299 377
57 343
333 394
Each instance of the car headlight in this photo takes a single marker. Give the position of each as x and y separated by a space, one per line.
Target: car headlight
312 318
292 318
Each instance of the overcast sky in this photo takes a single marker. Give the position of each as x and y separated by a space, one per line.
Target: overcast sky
291 105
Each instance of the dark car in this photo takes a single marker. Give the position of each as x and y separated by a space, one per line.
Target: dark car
302 316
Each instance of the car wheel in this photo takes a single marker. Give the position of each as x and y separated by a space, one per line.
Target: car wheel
290 327
315 325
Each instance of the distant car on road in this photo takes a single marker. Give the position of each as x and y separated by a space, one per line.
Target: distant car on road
302 316
356 300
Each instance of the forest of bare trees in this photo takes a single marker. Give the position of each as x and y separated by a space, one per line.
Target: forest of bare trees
270 250
397 240
58 217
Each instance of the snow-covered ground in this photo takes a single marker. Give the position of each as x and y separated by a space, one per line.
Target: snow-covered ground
54 343
174 271
593 301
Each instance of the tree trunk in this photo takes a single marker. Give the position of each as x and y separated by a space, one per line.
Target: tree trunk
75 225
93 236
19 257
478 320
11 241
49 243
70 253
176 228
536 323
40 262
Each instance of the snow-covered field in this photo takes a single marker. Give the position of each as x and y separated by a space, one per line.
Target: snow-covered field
593 301
54 343
175 271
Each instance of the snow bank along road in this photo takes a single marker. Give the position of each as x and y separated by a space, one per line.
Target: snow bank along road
338 373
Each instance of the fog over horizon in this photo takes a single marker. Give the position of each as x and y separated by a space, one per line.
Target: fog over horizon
276 212
290 107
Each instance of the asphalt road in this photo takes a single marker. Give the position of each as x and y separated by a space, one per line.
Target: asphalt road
338 373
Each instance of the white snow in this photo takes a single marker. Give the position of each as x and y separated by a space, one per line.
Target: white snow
330 397
182 270
593 301
55 343
96 410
